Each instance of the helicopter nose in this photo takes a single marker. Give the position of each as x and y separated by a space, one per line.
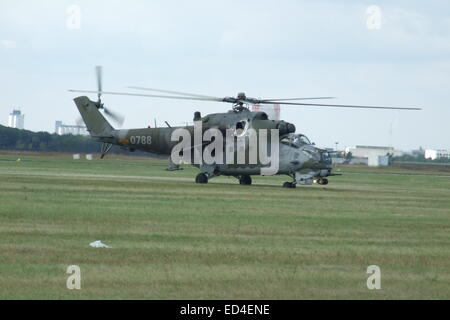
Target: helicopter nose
312 153
325 159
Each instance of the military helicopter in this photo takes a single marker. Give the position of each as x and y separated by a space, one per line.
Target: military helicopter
298 158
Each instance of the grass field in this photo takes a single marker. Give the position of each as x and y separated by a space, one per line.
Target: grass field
174 239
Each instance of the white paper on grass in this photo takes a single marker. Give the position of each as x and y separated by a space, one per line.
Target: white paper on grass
98 244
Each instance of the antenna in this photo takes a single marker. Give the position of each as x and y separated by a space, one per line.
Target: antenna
390 134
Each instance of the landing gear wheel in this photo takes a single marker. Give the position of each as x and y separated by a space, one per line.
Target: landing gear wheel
289 185
201 178
245 180
322 181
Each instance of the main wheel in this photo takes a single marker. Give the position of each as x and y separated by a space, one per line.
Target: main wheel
201 178
288 185
245 179
322 181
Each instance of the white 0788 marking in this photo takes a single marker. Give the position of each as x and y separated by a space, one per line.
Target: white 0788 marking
141 140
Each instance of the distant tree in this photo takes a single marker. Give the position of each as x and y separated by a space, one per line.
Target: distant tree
418 158
348 157
16 139
390 156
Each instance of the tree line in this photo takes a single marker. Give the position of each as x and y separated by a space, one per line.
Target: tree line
25 140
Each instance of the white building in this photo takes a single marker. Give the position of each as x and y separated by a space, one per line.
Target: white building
367 151
434 154
272 110
377 161
62 129
376 156
16 119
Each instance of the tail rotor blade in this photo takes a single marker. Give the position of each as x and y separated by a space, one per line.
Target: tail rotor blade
99 75
116 117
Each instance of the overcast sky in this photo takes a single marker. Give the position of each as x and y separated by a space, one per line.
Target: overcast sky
264 48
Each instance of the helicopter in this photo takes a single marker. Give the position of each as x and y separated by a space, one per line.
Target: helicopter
295 155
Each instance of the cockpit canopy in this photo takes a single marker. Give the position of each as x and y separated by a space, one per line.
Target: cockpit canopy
295 139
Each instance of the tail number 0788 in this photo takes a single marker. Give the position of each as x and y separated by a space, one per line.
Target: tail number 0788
141 140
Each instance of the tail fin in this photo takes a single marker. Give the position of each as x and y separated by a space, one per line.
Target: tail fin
96 123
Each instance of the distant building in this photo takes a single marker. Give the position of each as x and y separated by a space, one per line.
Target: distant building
62 129
366 151
376 156
272 110
377 161
16 119
437 154
418 152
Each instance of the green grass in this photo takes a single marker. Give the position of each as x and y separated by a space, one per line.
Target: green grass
174 239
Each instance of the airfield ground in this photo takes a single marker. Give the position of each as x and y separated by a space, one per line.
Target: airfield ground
174 239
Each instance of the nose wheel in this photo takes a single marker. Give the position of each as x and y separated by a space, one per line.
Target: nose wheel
289 185
245 180
201 178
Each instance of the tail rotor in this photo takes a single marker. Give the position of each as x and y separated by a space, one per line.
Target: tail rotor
99 76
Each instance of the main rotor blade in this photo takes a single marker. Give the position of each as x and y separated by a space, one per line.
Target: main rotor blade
251 100
312 98
175 92
98 73
338 105
235 100
149 95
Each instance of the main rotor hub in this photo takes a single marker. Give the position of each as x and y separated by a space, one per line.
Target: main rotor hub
240 100
241 96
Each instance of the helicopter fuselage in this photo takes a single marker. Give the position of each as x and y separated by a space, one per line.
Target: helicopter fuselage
297 158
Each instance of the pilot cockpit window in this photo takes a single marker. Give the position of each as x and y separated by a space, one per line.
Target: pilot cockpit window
295 140
302 139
